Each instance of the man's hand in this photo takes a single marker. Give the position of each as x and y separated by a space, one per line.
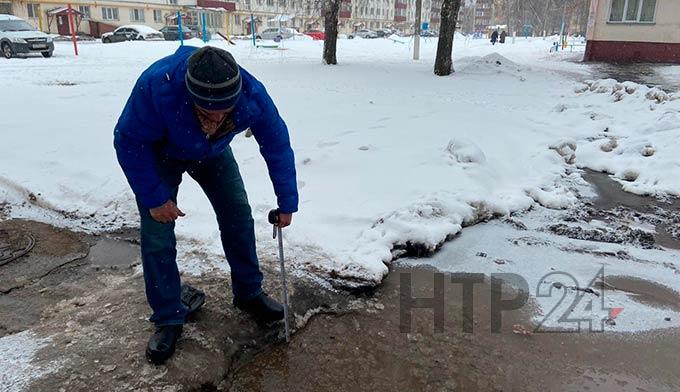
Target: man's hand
167 213
285 220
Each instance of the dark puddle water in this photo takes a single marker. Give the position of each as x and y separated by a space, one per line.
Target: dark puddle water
645 292
662 214
642 73
109 252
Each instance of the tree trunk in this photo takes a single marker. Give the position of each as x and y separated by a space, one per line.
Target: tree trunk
331 9
443 65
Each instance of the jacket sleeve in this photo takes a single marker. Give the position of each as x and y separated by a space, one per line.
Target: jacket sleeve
271 134
139 128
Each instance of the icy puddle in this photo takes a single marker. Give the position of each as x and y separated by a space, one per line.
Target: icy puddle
608 264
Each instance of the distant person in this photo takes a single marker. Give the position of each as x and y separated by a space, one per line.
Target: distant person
180 118
494 37
503 35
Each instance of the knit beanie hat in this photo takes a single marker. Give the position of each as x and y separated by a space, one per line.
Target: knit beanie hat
213 78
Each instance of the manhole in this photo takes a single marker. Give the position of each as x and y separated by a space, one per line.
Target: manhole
14 245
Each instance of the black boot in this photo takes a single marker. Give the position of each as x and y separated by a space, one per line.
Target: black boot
262 308
162 343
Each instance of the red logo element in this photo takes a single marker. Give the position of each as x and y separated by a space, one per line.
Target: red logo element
614 312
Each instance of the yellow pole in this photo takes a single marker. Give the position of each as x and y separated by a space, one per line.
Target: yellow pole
40 22
226 16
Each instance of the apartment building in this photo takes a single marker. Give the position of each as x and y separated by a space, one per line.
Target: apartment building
230 17
483 15
98 17
628 31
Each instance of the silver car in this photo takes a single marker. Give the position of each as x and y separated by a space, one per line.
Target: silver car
276 32
364 33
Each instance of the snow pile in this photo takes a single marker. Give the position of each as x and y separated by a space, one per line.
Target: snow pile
463 151
16 367
398 38
493 63
629 130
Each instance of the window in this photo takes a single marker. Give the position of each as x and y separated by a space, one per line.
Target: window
136 15
173 2
85 10
157 16
6 8
270 2
282 3
237 20
632 11
33 10
109 13
648 11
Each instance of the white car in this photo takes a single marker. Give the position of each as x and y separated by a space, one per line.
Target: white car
365 33
277 32
132 32
19 37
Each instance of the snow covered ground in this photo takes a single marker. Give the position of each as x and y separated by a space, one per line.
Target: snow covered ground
388 154
17 367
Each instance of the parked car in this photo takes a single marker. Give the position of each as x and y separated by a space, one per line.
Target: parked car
383 32
171 33
316 34
277 32
364 33
18 37
428 33
132 32
198 31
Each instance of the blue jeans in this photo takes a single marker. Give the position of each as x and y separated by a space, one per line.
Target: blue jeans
221 181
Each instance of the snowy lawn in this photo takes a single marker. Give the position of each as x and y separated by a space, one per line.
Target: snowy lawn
387 153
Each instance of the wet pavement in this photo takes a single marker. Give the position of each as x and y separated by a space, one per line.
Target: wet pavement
367 351
85 295
643 73
375 348
79 301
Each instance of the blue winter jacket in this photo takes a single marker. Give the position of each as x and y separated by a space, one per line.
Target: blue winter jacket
159 120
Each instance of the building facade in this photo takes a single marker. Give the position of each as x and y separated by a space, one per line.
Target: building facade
634 30
227 17
483 15
96 18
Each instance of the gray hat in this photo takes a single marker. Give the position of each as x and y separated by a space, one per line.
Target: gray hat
213 78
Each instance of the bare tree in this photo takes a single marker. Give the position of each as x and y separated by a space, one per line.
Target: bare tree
331 10
543 15
443 64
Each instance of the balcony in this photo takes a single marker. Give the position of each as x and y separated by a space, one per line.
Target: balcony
227 5
398 18
345 14
399 5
